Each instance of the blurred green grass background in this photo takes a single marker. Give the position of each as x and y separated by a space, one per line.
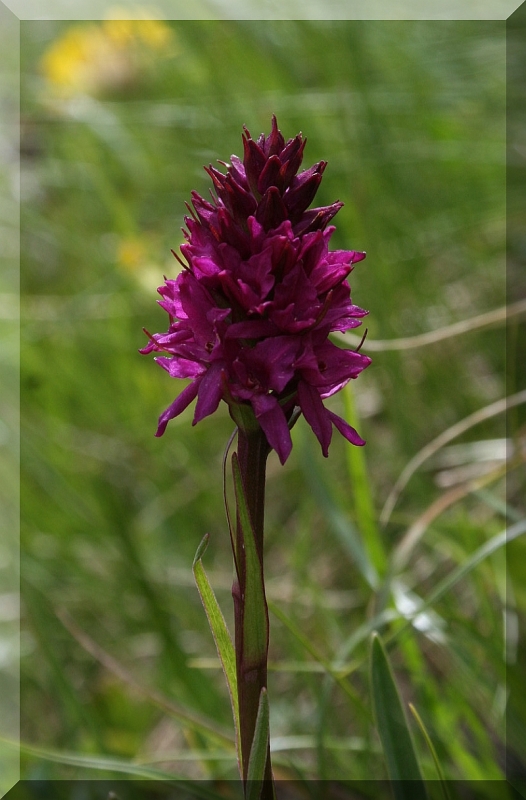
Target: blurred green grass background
117 122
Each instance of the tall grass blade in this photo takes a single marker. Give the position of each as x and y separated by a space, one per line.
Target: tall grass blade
429 742
361 491
483 414
190 719
222 638
111 764
460 572
335 673
393 729
337 519
258 753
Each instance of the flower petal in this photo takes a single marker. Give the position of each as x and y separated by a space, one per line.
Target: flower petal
316 414
272 419
210 391
346 430
272 360
178 405
179 367
251 329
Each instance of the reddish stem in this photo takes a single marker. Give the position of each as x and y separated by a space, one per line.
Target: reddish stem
252 452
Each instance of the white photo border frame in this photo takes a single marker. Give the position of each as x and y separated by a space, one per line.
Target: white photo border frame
12 13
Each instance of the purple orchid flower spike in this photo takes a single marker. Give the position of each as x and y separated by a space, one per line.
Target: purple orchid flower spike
251 313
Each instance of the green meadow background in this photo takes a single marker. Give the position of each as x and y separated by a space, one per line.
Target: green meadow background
119 670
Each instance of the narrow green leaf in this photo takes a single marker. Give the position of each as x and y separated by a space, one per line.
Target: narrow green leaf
498 504
258 752
361 490
391 723
189 719
363 632
499 540
327 666
223 641
111 764
427 737
99 763
337 519
226 504
255 618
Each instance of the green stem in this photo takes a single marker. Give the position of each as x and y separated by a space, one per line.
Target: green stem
252 453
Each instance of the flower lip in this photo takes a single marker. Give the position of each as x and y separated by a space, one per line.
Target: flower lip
258 294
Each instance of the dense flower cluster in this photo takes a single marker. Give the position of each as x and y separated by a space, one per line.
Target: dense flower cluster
251 313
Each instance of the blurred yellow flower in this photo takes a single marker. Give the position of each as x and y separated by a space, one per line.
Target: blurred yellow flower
135 256
152 32
90 57
120 31
131 253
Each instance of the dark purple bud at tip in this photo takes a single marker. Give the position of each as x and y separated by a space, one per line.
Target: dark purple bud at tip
254 161
275 141
316 219
238 201
303 189
231 233
271 211
291 159
271 175
217 177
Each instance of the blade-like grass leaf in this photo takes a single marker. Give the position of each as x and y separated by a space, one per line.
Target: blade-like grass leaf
361 491
429 742
223 641
460 572
325 664
337 519
258 753
391 723
189 719
112 764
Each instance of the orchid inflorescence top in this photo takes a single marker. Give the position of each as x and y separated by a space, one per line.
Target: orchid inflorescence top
252 310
